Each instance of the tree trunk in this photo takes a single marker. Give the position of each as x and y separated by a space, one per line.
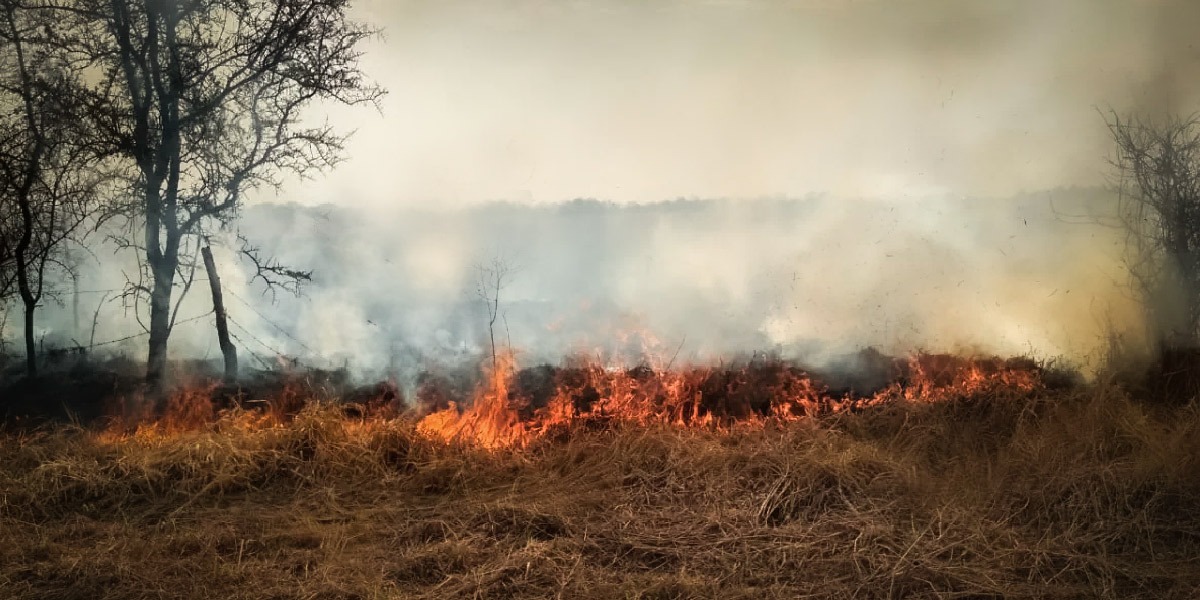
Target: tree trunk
227 348
30 353
75 301
160 322
25 287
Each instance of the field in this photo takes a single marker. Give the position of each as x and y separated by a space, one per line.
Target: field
977 486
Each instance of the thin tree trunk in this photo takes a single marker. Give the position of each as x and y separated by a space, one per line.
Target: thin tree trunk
31 368
25 252
24 286
160 324
492 336
227 348
75 301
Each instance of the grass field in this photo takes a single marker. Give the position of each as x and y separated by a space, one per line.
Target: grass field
1039 493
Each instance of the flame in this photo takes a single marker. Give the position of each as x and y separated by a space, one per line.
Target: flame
504 413
491 420
512 407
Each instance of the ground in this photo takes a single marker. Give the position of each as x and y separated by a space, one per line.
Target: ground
1080 493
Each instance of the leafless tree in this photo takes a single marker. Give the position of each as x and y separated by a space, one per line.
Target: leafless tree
490 279
203 101
49 177
1157 162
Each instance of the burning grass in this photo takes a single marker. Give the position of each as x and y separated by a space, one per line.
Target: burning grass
512 408
983 481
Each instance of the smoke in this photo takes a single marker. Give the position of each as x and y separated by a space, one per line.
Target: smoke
897 150
1174 61
395 292
645 101
703 281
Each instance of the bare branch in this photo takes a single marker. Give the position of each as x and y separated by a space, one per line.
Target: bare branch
490 279
1157 163
273 275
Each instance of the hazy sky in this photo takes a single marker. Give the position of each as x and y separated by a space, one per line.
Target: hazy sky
641 101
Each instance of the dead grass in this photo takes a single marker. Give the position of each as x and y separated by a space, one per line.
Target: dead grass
1063 494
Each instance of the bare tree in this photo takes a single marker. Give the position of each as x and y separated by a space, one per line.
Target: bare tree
48 177
489 280
203 99
1157 162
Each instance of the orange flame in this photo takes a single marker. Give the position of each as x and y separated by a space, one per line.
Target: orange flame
499 414
490 421
511 407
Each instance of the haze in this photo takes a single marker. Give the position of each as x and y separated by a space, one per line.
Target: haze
645 101
903 175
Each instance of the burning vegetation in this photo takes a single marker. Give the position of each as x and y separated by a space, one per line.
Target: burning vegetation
513 407
928 476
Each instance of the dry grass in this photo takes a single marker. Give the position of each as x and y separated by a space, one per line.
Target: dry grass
1079 494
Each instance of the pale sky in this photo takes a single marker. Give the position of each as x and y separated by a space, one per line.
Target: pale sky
544 101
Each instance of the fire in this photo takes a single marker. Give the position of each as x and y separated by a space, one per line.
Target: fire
513 407
491 420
